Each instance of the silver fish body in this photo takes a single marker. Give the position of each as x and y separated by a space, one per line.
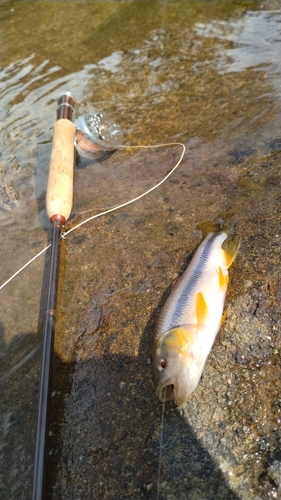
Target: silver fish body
192 316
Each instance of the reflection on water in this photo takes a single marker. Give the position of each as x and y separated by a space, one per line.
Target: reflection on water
208 74
256 40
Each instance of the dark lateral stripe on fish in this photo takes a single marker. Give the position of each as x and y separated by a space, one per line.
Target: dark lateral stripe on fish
191 283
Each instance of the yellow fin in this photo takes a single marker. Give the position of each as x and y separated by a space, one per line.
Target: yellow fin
224 316
230 248
179 338
221 278
226 280
201 309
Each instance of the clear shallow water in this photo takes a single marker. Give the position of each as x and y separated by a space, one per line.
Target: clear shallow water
256 40
205 74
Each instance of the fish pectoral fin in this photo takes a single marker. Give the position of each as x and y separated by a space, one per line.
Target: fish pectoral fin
224 316
201 309
230 248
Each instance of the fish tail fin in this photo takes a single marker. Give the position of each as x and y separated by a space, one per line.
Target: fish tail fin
230 248
226 225
220 225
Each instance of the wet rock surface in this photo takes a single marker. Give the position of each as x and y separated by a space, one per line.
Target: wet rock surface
225 442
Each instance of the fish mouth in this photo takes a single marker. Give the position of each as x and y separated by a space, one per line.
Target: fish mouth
170 392
166 392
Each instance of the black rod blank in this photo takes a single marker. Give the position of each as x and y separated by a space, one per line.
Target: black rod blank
39 480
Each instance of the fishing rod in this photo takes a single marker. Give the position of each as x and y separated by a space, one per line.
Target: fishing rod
95 136
58 204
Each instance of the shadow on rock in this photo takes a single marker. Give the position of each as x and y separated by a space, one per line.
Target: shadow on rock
107 426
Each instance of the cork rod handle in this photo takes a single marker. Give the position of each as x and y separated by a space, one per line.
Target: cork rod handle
59 196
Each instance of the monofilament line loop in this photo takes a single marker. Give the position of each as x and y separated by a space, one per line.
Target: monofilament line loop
64 234
141 195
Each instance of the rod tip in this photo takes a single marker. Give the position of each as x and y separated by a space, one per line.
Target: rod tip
66 98
69 94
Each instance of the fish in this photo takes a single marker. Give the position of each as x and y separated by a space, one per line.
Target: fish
193 314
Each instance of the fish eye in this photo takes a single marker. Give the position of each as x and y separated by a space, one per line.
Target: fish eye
161 365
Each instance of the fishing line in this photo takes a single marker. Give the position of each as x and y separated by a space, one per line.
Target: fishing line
65 234
25 265
141 195
161 445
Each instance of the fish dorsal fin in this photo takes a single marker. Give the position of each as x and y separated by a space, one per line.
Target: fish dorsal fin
230 248
223 279
201 309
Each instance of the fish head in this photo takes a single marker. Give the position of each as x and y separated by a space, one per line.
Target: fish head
178 365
